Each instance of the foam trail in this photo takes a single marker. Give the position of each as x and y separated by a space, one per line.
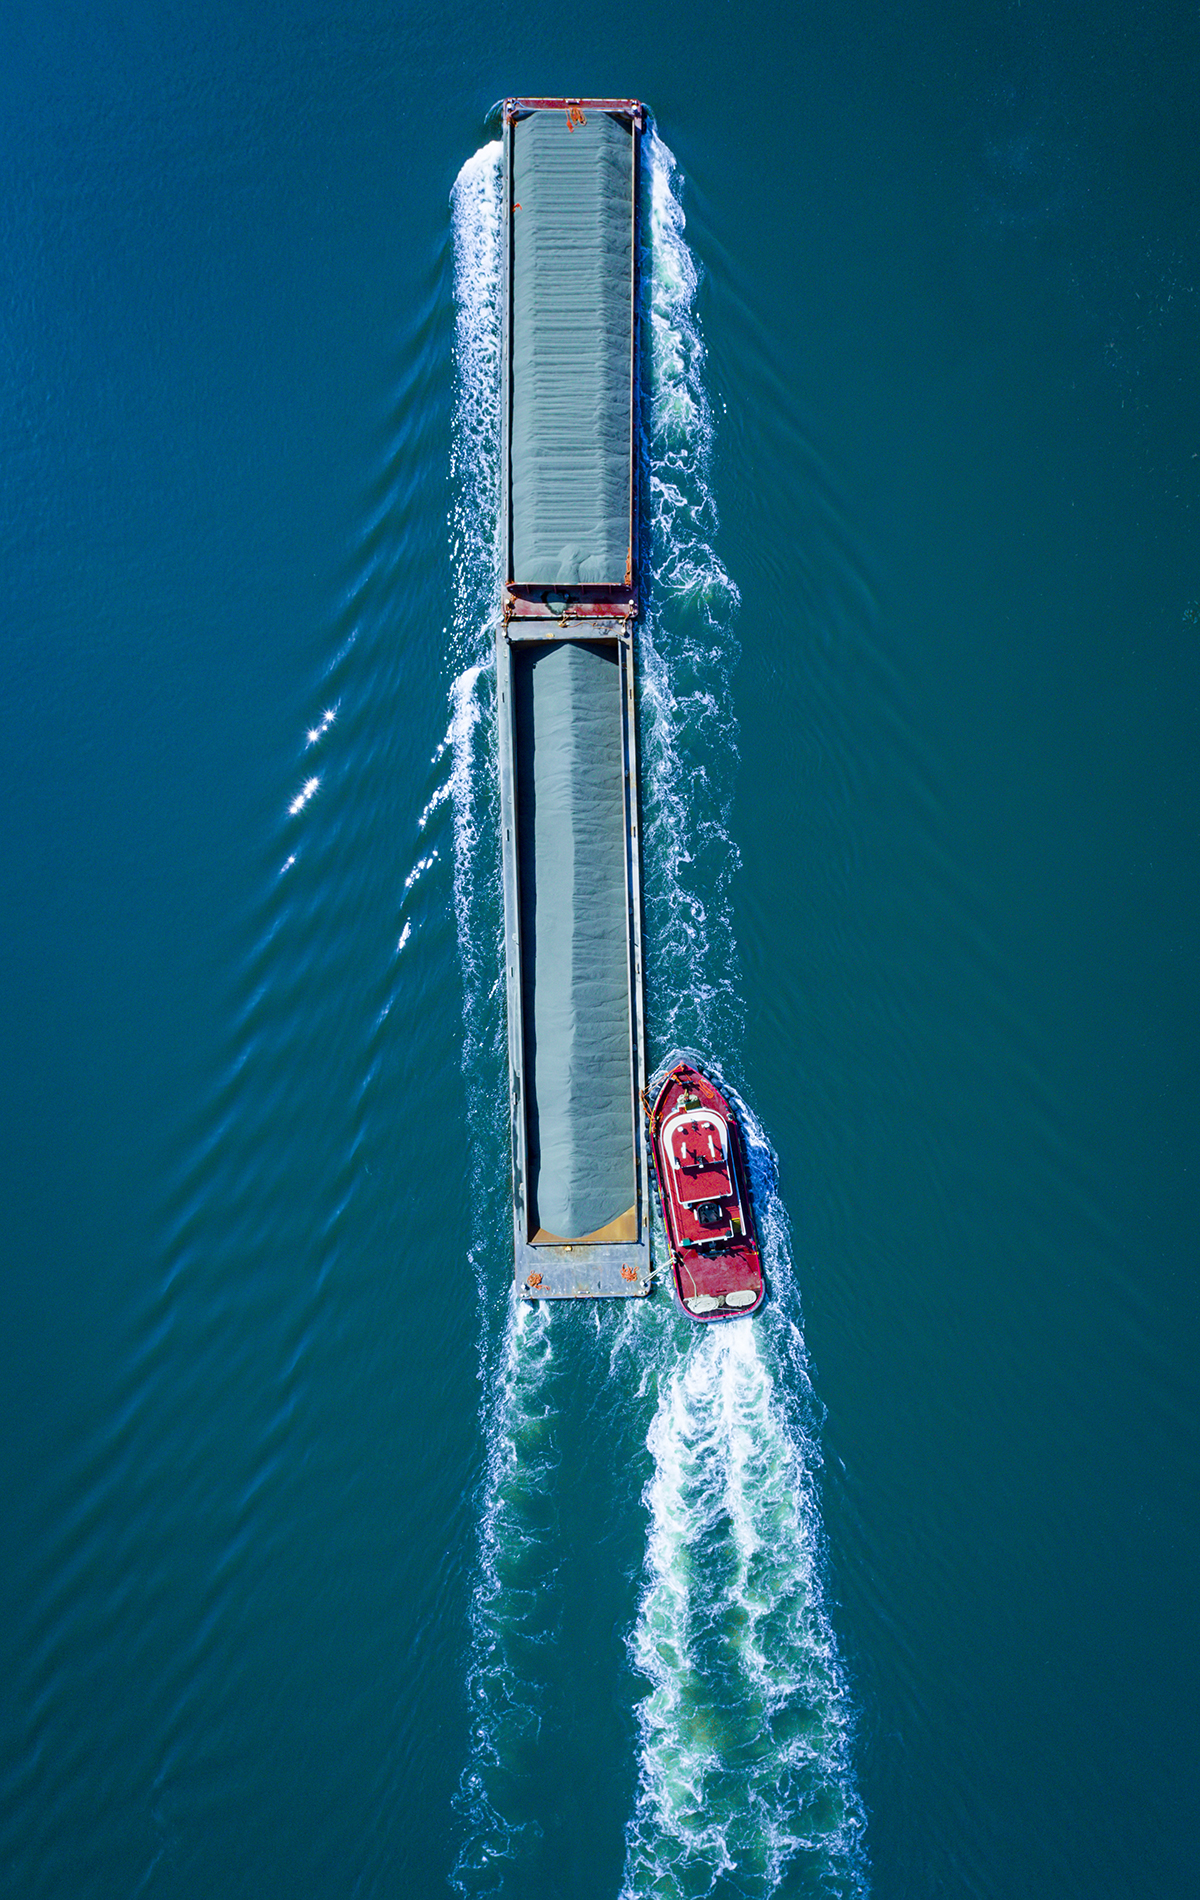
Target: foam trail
513 1605
513 1599
475 442
746 1772
475 469
747 1729
686 654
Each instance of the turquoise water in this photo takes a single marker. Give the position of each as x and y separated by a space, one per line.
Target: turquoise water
326 1572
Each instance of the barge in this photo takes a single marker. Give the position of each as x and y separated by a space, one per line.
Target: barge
565 697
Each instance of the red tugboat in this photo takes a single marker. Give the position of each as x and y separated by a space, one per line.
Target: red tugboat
700 1169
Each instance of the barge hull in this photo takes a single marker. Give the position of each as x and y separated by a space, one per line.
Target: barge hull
565 700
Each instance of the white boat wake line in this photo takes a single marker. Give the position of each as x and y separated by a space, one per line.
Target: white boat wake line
510 1605
746 1759
745 1731
471 783
686 653
516 1547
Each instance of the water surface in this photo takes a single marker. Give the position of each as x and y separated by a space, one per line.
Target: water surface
324 1571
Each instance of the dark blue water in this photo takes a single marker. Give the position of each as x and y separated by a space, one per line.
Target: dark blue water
324 1572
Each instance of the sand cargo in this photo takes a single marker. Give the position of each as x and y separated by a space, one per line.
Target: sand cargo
566 702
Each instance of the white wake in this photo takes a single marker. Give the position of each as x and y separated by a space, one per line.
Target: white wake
745 1771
